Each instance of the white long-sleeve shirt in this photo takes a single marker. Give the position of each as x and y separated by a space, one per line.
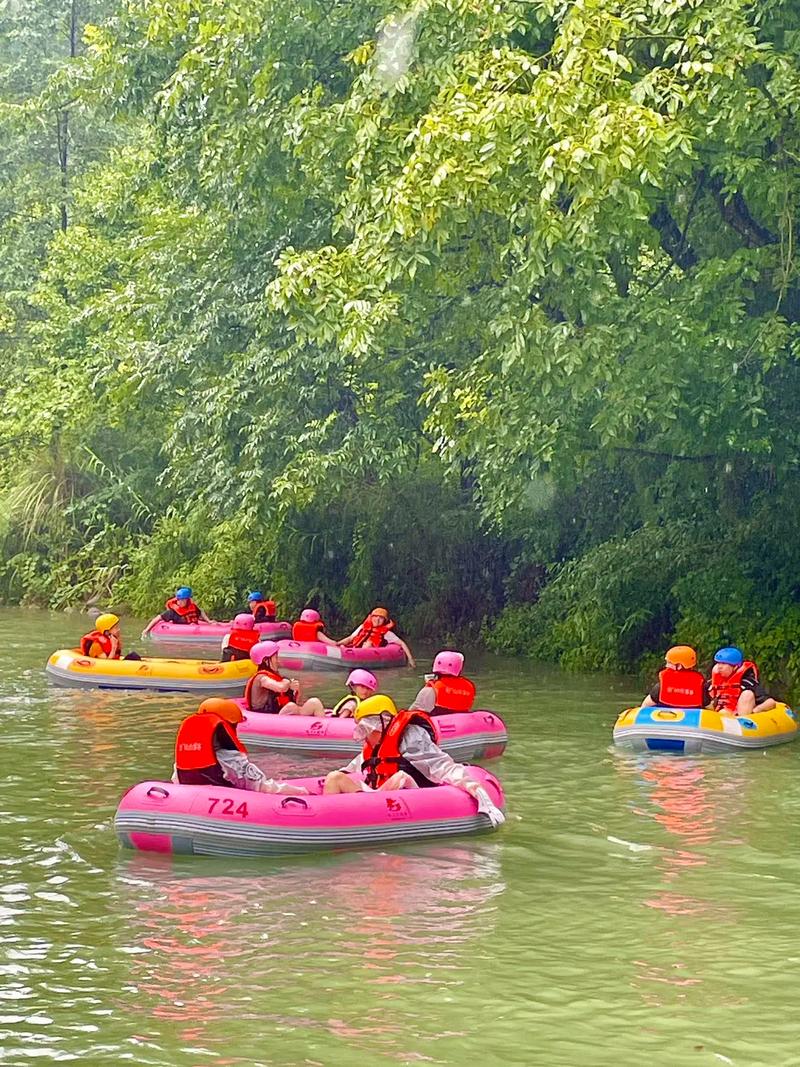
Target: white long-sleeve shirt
418 748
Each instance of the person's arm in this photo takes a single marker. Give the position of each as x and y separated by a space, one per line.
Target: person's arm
151 624
242 774
204 617
346 642
323 637
394 639
354 764
425 700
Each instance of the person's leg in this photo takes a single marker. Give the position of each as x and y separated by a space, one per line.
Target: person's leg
340 782
746 703
765 705
399 780
313 706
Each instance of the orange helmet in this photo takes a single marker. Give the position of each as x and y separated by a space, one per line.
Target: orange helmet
681 656
380 611
228 710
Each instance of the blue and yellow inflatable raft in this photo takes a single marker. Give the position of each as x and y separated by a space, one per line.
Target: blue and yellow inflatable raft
701 730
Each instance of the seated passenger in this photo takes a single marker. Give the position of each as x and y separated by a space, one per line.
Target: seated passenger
180 609
400 753
208 752
446 690
310 628
362 684
104 641
680 684
242 637
735 686
262 610
270 692
376 631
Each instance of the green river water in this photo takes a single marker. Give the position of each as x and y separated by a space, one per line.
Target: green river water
633 910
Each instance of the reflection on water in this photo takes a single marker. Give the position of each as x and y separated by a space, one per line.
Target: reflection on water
633 909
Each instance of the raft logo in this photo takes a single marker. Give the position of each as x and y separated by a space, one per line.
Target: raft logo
396 809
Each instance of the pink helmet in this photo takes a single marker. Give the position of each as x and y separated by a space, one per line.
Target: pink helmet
365 678
310 615
263 650
448 663
244 621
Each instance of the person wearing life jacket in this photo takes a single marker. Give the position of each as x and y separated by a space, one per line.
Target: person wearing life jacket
446 691
262 610
180 609
104 641
376 631
310 627
361 684
209 752
268 691
243 635
735 685
400 752
680 684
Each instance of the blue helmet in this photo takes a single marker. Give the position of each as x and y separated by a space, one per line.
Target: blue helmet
255 596
184 593
734 656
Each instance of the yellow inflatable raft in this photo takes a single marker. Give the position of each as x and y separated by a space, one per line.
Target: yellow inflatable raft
701 730
204 677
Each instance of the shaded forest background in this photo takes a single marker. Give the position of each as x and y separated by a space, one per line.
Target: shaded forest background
487 310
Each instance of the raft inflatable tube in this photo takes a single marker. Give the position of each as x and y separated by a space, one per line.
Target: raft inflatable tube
315 655
204 820
479 734
696 731
210 633
203 677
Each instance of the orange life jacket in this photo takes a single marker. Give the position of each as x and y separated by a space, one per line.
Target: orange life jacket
188 612
307 631
97 645
453 693
274 701
263 610
680 689
372 635
194 745
382 760
725 692
243 639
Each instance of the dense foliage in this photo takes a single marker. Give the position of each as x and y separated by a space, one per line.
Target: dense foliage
489 309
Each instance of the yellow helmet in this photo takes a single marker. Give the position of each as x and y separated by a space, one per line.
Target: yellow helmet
681 656
105 622
375 705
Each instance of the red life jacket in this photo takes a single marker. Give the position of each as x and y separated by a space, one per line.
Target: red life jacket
725 692
194 745
382 760
372 635
452 693
263 610
307 631
274 701
243 639
188 612
97 645
680 689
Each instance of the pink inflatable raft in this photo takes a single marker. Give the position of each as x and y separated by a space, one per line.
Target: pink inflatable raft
315 655
210 633
207 821
466 735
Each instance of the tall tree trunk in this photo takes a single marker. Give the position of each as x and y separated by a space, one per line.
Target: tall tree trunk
62 131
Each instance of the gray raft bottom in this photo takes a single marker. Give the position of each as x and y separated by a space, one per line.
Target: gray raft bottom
692 742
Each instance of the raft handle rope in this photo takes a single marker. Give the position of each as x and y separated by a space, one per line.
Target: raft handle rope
157 791
288 801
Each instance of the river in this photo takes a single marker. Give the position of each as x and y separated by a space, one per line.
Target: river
633 910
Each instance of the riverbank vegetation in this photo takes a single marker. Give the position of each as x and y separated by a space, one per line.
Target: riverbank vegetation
489 309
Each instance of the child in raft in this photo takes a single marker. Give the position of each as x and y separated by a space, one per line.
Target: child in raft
310 627
105 640
362 684
376 631
446 691
268 691
680 684
243 635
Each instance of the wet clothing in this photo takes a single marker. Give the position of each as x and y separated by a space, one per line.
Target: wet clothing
237 644
200 737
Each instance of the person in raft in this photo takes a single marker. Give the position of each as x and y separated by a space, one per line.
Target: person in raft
243 635
446 690
680 684
400 753
310 627
375 631
735 686
209 752
261 609
361 685
105 640
179 609
270 692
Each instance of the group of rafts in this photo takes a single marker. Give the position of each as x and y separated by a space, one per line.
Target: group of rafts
303 815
